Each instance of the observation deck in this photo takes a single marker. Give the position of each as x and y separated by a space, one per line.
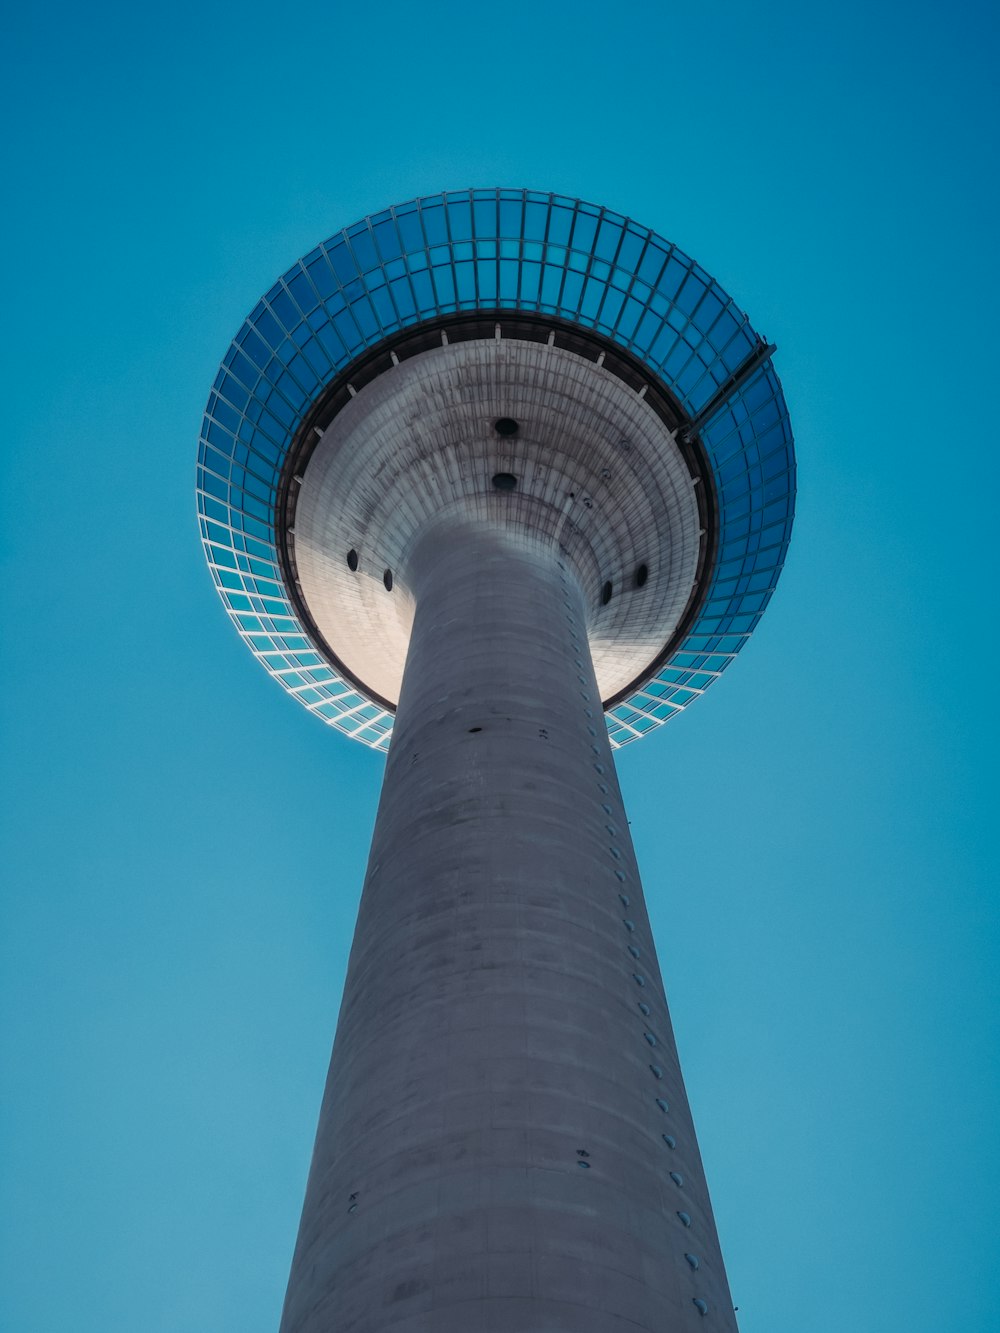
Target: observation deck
519 358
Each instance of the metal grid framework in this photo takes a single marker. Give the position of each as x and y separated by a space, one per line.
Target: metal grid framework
489 250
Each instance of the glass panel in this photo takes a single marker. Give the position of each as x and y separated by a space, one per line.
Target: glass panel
560 225
460 217
434 224
535 217
410 231
387 240
485 217
510 217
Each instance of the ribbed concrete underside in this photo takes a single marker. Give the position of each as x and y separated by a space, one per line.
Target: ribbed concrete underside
597 473
490 1154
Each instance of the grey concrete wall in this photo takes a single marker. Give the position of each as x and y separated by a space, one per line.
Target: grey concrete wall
492 1027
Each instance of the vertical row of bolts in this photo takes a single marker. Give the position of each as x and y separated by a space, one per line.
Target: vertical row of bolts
621 879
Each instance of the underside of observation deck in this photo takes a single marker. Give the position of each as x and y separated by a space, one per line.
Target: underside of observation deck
595 464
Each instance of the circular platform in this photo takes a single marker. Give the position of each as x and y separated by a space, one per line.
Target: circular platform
525 360
588 466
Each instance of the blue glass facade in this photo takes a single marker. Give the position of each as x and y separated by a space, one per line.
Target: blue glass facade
475 251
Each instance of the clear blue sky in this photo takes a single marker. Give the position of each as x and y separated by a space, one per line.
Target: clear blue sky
184 846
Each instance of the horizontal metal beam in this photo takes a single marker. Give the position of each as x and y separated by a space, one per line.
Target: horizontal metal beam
761 353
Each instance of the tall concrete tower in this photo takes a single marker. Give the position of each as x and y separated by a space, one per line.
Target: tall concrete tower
508 479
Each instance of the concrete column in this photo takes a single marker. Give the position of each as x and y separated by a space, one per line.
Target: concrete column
504 1107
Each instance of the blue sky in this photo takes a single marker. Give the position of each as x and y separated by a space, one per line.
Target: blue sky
185 846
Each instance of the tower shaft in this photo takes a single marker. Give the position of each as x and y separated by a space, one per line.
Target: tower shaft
504 1107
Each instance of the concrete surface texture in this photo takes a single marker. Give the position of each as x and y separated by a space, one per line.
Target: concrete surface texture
598 473
504 1142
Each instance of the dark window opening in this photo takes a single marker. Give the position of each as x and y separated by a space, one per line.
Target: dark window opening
387 580
641 575
606 593
504 481
506 426
352 559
